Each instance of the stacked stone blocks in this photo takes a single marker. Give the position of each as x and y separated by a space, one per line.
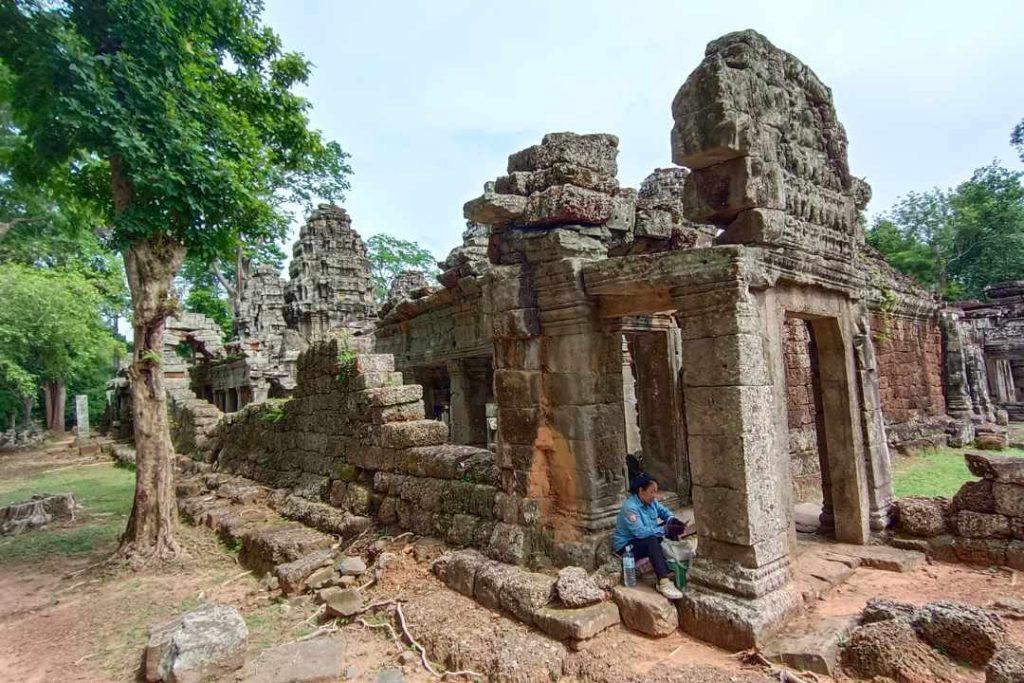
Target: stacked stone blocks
982 524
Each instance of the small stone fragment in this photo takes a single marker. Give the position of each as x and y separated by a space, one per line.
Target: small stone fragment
342 602
351 565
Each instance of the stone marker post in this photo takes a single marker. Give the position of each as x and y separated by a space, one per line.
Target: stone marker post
82 415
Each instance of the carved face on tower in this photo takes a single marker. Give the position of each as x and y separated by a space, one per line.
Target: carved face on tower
768 154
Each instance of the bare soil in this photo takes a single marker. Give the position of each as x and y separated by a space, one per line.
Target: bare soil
74 618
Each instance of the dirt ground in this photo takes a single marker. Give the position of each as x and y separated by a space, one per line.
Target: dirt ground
73 618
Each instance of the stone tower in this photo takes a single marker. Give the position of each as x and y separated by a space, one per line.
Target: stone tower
330 286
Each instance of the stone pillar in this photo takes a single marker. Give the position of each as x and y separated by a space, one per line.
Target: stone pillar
630 413
872 423
735 419
470 392
82 416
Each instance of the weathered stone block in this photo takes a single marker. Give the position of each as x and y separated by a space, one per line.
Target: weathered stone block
411 434
523 593
1009 499
1007 469
644 609
980 525
975 496
495 209
960 630
924 517
576 624
205 643
596 152
1007 666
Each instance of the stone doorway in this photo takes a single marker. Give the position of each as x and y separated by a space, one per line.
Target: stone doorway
655 429
808 458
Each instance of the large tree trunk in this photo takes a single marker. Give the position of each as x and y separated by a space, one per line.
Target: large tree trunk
150 265
26 406
55 393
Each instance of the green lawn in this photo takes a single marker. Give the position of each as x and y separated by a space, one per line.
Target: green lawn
938 472
105 491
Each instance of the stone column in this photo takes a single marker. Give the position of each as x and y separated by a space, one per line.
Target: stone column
82 416
630 413
735 416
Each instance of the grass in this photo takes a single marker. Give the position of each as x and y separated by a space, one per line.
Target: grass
934 472
104 490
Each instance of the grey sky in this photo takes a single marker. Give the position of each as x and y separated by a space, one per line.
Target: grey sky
430 98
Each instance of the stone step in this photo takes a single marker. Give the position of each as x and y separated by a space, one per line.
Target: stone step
882 557
810 642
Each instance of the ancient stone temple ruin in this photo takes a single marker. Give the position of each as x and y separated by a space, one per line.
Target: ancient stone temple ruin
725 323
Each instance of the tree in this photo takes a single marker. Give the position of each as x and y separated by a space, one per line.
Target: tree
51 334
389 256
188 107
1017 138
959 241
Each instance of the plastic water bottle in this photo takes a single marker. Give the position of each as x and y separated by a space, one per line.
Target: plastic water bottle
628 567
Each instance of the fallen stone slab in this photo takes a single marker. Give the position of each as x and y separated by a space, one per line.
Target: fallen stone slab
644 609
811 644
882 557
320 660
37 511
576 624
206 642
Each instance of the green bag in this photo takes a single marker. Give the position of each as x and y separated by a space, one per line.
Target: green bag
680 569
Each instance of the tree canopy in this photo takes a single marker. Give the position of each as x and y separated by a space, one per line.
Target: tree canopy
51 329
390 255
187 108
958 241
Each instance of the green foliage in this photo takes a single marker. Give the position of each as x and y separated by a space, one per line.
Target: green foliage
51 329
207 299
958 241
189 102
272 410
346 358
389 256
104 491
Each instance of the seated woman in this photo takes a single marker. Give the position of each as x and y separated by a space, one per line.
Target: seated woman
638 525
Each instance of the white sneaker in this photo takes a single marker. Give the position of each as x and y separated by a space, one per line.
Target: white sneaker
668 589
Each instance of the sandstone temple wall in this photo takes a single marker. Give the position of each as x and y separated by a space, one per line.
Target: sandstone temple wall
354 436
910 380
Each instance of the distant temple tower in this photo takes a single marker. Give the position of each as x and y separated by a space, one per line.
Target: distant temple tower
330 285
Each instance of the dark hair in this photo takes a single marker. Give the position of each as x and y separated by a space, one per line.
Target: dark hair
642 481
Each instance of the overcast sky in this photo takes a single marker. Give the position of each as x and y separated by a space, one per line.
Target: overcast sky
430 98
